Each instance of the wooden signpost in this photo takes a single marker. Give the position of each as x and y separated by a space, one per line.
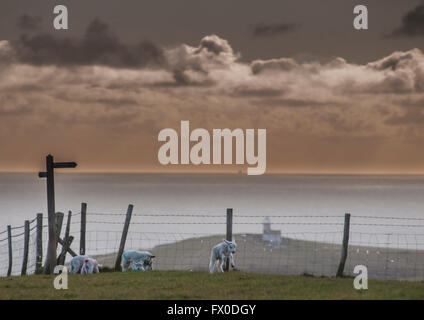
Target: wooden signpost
50 262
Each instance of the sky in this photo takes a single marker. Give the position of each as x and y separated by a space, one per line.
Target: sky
333 99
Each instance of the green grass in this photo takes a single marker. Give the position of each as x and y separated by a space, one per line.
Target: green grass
201 285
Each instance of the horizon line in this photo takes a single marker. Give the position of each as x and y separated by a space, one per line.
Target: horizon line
221 173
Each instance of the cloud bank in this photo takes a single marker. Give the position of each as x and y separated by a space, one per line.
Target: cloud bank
107 100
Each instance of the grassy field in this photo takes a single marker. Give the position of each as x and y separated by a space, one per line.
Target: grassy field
201 285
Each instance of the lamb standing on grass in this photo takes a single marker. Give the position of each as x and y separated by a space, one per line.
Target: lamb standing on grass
220 252
90 265
76 264
139 260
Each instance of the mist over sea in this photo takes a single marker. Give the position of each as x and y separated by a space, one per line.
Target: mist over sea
23 195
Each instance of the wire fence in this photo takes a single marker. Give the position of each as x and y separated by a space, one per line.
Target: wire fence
390 247
17 243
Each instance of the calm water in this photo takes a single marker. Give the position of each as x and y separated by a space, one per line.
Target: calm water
23 195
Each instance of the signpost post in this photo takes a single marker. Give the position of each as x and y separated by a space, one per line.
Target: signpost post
50 262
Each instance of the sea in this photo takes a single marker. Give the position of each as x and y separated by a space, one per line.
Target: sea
197 203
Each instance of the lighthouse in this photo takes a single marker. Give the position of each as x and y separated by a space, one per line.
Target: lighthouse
272 237
267 225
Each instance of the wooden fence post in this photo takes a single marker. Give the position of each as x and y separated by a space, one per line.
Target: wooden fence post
71 252
55 227
26 247
344 246
9 241
83 227
50 262
229 236
124 237
59 223
65 246
39 248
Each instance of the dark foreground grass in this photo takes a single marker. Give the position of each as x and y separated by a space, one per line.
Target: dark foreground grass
201 285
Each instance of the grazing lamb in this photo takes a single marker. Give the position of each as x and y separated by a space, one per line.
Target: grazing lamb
90 266
139 260
143 266
76 264
220 252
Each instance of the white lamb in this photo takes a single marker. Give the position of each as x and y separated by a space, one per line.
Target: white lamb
220 253
139 260
76 264
90 266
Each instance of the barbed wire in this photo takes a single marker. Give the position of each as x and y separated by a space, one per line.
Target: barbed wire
215 233
144 223
386 217
18 235
386 233
65 214
157 215
218 223
250 216
389 225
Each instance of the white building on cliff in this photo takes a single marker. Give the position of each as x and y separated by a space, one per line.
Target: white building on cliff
273 237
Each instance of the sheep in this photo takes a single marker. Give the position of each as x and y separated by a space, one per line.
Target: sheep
76 263
90 266
220 253
139 260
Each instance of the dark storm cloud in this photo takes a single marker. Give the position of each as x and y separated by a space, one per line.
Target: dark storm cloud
28 22
412 23
99 46
273 29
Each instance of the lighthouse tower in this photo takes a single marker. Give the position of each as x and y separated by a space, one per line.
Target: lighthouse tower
272 237
267 226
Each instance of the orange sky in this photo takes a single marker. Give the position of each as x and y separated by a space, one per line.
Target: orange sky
99 96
